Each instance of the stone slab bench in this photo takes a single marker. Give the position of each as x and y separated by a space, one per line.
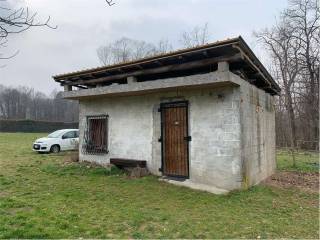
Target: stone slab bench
128 163
134 168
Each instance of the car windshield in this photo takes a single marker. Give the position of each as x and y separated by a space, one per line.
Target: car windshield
55 134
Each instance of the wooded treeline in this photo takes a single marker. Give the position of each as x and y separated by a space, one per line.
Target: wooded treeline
293 45
26 103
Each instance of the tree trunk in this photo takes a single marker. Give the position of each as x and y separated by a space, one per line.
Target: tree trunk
292 126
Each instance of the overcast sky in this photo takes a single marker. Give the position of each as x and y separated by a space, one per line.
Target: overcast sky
84 25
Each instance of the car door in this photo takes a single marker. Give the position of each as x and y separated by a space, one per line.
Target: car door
66 140
75 140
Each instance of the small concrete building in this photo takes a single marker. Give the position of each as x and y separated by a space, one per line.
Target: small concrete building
202 117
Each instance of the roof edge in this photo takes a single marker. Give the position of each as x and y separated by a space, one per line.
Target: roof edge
237 42
258 62
148 59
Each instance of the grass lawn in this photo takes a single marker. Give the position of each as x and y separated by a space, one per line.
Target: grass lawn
41 198
305 161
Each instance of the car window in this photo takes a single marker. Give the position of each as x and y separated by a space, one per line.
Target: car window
77 134
69 135
55 134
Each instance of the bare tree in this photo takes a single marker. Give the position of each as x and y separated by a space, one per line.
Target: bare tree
293 45
163 46
116 52
126 49
304 17
14 21
199 35
142 49
122 50
105 54
283 49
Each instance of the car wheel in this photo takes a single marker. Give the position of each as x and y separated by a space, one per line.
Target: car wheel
55 149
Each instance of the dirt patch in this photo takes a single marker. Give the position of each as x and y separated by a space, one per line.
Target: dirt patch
14 211
136 172
308 182
4 194
71 157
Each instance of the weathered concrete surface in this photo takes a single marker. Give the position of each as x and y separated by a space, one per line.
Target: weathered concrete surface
134 130
257 115
232 144
138 88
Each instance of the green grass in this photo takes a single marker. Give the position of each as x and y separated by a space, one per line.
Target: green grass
305 161
41 198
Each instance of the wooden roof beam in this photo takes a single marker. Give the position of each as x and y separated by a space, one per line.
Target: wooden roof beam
173 67
205 53
182 58
82 87
159 63
247 58
195 50
139 66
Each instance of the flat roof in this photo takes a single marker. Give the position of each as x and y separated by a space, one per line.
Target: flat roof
189 61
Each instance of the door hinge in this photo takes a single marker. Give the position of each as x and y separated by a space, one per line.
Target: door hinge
188 138
160 139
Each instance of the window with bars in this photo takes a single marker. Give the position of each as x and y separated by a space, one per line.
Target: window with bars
96 135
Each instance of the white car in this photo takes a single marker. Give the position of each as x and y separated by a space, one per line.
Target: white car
61 140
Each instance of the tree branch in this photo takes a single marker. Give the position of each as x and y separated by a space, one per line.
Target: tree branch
110 2
17 21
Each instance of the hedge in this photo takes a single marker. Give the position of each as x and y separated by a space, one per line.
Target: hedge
34 126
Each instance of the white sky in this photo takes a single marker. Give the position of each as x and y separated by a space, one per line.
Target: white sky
84 25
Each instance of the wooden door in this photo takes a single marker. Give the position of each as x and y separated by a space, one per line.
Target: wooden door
175 140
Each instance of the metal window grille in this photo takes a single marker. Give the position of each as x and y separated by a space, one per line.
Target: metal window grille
95 140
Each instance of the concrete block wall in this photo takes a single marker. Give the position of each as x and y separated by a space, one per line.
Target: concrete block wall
129 130
258 133
232 130
214 124
215 146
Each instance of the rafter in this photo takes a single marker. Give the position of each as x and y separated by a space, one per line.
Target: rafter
173 67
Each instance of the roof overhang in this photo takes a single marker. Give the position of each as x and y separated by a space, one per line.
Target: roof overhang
202 59
209 80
